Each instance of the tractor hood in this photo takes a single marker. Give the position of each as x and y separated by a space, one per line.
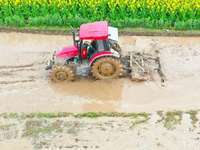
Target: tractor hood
67 51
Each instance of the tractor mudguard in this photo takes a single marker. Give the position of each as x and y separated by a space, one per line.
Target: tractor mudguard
102 54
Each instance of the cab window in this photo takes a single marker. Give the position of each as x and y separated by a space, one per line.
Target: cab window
102 45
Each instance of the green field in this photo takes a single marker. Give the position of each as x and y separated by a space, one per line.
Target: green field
171 14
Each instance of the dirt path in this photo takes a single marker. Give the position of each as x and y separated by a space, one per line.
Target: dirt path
24 85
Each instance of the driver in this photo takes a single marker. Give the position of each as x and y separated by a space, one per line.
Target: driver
92 48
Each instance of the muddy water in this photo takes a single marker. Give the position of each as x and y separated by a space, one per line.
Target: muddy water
24 84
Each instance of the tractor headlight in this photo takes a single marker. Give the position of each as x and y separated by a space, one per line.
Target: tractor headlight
115 53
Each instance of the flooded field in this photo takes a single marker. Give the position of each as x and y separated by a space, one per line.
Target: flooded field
25 85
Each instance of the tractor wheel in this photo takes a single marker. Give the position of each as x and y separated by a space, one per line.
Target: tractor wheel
106 68
61 73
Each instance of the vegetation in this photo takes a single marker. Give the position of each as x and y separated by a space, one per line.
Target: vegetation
66 114
170 119
176 14
7 126
193 116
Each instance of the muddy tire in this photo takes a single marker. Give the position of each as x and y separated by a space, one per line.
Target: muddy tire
106 68
61 73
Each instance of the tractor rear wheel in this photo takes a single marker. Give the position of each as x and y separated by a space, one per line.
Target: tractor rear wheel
106 68
61 73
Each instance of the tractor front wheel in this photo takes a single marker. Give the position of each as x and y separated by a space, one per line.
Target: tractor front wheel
106 68
61 73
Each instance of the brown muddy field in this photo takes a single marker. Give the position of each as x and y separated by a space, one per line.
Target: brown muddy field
25 85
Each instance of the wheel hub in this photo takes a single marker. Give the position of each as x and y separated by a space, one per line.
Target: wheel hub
107 69
62 76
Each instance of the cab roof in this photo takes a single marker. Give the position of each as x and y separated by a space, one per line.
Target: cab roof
94 30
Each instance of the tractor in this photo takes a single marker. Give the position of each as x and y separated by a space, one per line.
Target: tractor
97 51
103 61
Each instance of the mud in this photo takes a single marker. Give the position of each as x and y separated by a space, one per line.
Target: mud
25 86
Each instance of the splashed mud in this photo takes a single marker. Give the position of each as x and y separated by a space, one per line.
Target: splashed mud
24 84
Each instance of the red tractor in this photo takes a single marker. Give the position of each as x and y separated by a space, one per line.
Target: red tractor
98 56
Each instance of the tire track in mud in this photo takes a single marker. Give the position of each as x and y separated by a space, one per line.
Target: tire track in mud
22 66
13 82
12 70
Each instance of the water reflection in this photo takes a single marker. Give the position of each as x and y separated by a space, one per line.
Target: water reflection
101 95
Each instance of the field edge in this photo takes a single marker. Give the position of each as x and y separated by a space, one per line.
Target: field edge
138 31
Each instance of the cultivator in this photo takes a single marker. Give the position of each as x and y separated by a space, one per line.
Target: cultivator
140 66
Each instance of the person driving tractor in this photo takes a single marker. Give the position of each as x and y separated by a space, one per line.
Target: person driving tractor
92 48
98 45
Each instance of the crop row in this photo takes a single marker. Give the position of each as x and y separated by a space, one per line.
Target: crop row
178 14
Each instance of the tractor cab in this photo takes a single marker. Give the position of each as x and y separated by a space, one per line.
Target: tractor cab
100 35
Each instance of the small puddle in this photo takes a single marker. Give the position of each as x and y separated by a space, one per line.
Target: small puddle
101 95
91 89
124 95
